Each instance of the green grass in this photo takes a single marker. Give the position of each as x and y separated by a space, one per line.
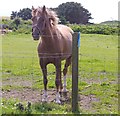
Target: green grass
10 107
98 68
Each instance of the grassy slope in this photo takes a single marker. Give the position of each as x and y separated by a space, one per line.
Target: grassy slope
97 69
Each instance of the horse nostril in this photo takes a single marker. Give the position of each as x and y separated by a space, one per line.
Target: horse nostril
32 30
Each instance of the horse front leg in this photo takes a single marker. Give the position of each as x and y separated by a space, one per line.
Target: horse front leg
58 81
45 80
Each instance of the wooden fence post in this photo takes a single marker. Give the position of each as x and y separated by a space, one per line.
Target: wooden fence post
75 73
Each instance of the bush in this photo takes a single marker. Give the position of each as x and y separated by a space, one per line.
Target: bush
18 25
95 29
21 26
24 29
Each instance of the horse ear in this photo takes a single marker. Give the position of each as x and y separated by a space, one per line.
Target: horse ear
44 9
33 8
33 11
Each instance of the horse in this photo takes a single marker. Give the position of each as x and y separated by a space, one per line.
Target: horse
55 45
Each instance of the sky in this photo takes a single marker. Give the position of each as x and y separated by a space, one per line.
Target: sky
101 10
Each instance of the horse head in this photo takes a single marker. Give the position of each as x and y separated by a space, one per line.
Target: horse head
43 21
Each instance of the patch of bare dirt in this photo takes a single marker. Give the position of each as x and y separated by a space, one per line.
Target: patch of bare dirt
17 82
86 102
35 96
23 95
29 94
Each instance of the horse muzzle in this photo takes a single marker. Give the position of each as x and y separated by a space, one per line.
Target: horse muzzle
35 37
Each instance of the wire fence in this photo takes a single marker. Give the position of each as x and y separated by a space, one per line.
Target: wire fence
22 71
91 70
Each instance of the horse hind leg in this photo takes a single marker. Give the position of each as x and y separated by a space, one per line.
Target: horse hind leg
67 64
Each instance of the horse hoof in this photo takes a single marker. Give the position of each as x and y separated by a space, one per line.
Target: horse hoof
44 100
64 90
58 101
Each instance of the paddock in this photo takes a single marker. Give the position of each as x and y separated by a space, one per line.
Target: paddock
97 74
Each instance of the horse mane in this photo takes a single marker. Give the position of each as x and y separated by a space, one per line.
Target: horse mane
51 14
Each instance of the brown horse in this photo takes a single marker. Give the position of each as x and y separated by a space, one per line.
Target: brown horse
55 45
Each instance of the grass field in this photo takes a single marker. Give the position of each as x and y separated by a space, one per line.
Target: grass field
22 77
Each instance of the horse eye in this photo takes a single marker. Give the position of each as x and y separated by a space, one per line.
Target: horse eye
33 18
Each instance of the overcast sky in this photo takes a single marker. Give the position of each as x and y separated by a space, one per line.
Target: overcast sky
101 10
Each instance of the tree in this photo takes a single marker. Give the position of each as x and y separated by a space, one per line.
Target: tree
13 15
15 23
74 13
62 20
25 14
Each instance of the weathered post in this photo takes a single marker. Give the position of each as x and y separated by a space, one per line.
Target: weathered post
75 72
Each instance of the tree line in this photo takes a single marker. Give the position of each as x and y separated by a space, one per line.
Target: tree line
69 12
72 14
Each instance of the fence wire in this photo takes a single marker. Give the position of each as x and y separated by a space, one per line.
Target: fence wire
23 70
